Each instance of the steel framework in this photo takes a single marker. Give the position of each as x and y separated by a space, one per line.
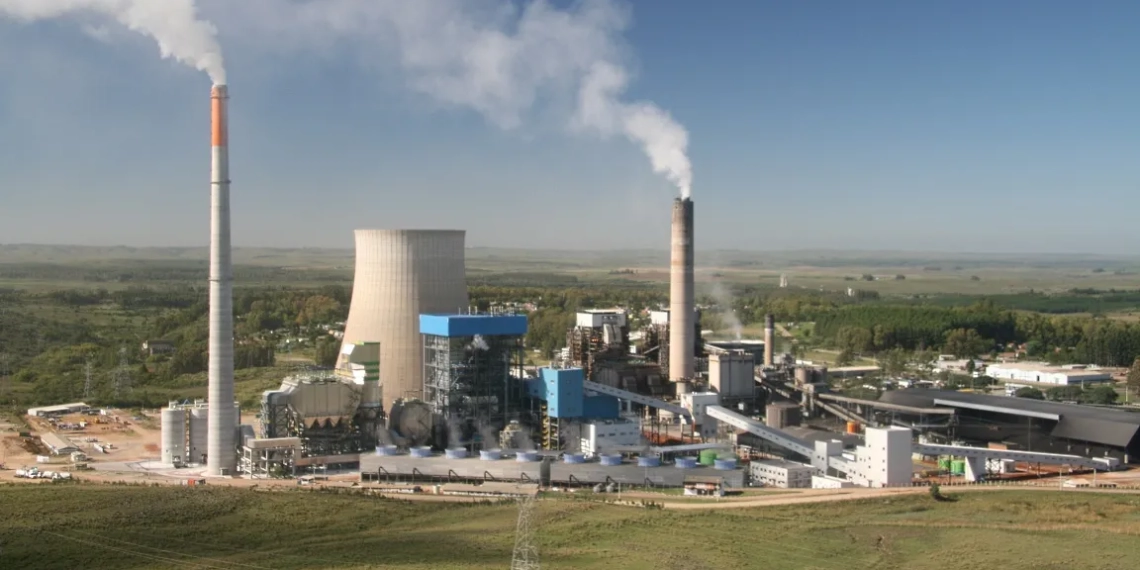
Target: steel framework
468 384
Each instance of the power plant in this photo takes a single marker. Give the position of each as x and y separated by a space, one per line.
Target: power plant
420 373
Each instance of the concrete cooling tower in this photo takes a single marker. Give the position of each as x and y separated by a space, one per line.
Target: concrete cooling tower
399 275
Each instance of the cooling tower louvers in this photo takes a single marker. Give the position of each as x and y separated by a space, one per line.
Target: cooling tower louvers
399 275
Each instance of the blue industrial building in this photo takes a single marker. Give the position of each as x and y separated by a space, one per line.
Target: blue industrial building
452 326
566 398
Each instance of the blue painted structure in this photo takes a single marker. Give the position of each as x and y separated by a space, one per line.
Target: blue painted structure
452 326
562 390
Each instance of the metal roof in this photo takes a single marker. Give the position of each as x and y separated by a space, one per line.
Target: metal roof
1117 428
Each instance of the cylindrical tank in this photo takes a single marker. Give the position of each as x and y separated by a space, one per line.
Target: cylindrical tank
491 454
573 458
803 376
685 462
648 461
199 434
610 460
421 451
173 423
725 464
401 274
958 467
852 427
526 456
456 453
387 450
707 456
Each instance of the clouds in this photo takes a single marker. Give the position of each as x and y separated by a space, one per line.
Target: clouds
500 59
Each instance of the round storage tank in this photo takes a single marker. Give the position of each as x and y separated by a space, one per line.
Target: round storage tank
648 461
685 462
387 450
610 460
725 464
421 451
173 436
491 454
574 458
526 456
199 428
456 453
707 456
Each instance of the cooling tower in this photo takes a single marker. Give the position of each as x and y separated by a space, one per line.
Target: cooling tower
681 308
221 456
399 275
769 330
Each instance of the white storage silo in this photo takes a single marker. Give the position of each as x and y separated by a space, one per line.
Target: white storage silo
199 430
399 275
173 422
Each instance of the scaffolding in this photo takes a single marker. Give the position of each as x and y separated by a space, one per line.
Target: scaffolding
473 385
592 346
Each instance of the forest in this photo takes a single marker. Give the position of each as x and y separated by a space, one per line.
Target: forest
51 338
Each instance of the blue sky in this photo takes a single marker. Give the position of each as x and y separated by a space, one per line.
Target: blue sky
957 126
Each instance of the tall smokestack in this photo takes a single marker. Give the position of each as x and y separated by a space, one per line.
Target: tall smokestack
221 458
682 312
769 331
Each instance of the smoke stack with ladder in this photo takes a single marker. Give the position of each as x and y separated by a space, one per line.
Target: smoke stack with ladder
221 458
682 313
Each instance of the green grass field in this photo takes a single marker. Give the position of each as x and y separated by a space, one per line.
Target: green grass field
117 527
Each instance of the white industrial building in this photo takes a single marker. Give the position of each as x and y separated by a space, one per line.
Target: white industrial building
58 444
884 460
697 404
828 482
1040 373
59 410
782 474
603 435
401 274
732 374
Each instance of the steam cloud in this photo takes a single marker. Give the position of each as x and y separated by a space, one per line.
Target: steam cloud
723 297
491 56
174 24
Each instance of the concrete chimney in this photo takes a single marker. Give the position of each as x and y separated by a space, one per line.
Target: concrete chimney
769 333
221 458
682 312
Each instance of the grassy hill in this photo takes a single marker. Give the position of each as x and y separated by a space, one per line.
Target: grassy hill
117 527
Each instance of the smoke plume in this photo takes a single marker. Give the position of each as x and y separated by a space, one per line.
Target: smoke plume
492 56
174 24
723 298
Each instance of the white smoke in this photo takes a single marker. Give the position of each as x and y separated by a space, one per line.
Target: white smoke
174 24
479 343
724 298
492 56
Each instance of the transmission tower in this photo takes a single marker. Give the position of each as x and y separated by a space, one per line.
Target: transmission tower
526 553
122 379
87 379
